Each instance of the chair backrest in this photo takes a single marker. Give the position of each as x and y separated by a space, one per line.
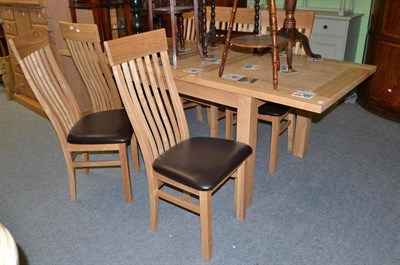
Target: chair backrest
244 20
34 55
188 26
144 78
304 24
83 42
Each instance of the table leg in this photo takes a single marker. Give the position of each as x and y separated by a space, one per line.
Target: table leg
213 29
257 17
246 133
181 33
301 136
197 19
204 25
173 34
136 9
214 120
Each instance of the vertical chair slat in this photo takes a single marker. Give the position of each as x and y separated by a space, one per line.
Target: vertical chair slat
149 107
156 105
163 100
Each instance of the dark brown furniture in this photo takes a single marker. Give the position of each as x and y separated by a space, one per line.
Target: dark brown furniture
290 32
255 41
175 10
101 14
381 93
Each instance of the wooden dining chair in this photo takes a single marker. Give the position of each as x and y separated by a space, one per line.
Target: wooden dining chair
84 45
280 116
98 132
197 166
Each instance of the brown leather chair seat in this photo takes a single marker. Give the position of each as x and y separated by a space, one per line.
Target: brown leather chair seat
201 162
272 109
104 127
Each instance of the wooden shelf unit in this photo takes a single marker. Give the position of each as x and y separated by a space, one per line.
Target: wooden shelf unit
24 15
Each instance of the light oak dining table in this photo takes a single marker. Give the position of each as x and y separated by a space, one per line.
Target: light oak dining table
330 80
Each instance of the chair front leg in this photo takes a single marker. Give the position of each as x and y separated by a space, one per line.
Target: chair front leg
126 179
153 201
206 224
291 129
273 153
199 111
228 124
214 120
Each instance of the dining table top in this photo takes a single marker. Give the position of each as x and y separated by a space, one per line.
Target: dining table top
330 80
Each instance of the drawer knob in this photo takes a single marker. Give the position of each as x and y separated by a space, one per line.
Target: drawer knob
389 90
325 26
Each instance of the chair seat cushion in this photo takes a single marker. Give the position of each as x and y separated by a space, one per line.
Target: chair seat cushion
201 162
273 109
104 127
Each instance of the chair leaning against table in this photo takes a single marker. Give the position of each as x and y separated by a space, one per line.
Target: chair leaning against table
99 132
197 166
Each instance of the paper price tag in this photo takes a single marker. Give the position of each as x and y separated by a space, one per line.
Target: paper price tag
193 70
303 94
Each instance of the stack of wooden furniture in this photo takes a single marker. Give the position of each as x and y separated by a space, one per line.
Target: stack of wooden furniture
25 15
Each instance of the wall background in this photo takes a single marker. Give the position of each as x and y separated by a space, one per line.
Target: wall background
360 6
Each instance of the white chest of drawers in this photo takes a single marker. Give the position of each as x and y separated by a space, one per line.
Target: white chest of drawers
334 36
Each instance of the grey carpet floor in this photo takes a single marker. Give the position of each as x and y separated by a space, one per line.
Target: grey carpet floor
338 205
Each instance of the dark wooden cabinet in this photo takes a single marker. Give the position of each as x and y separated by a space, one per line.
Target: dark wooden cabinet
381 93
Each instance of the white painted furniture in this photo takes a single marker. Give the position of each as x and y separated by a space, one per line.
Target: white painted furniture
8 248
335 36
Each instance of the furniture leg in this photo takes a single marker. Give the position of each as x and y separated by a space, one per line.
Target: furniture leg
125 173
273 153
106 22
204 25
173 34
257 17
136 8
197 18
292 34
302 133
181 37
291 130
229 124
206 224
214 120
228 37
247 133
213 30
151 15
275 48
